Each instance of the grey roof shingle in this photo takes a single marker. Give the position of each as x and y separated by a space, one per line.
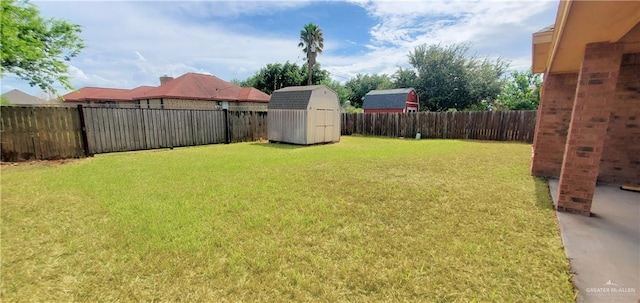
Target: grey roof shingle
386 99
293 99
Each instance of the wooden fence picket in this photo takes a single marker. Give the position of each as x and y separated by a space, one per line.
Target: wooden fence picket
481 125
29 133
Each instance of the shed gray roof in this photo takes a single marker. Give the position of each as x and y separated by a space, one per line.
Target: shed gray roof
293 97
300 88
386 99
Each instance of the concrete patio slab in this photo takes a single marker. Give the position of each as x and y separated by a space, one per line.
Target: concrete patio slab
604 249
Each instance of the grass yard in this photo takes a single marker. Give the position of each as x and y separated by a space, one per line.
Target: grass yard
367 219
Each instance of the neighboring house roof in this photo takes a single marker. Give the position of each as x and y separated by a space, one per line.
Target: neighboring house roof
252 94
386 99
204 87
18 97
104 94
293 97
190 86
140 90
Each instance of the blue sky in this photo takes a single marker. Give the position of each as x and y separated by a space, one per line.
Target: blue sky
132 43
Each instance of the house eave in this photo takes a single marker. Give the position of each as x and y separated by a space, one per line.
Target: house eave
579 23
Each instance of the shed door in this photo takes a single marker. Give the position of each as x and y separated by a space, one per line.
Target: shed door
324 124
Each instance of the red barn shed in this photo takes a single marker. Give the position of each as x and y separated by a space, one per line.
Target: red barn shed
400 100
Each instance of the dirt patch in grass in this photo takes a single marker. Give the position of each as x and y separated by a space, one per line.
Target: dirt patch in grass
41 162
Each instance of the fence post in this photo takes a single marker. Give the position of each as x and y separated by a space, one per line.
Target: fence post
226 126
83 132
169 129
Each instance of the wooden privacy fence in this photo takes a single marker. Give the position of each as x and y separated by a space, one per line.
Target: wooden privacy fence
57 133
127 129
61 132
247 126
480 125
40 133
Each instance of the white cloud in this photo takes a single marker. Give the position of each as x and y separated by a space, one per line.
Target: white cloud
145 42
490 26
92 79
225 8
133 43
78 74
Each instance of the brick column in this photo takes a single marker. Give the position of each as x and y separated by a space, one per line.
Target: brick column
552 125
620 162
588 128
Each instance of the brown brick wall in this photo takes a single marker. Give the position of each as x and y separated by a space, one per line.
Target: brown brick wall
249 106
620 161
188 104
169 103
200 104
554 115
595 95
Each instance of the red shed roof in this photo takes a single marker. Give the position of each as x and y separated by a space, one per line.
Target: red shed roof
188 86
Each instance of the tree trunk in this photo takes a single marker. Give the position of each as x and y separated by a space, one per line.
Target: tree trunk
310 69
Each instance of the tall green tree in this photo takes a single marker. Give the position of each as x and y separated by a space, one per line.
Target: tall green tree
521 92
362 84
275 76
487 79
342 91
34 48
312 43
404 78
318 75
449 78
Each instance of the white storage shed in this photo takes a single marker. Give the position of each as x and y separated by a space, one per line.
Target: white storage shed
304 115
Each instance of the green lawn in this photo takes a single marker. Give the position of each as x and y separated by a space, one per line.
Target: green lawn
367 219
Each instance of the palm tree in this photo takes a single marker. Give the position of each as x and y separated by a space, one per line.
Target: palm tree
312 42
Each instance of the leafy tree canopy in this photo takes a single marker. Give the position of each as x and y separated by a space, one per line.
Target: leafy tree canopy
343 92
35 48
404 78
362 84
521 92
448 78
275 76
